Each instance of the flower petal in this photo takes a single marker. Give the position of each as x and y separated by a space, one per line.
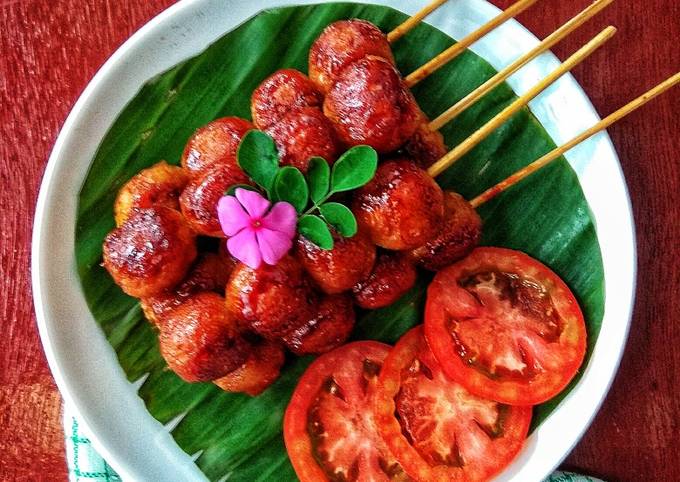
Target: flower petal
273 244
244 247
283 218
233 218
254 203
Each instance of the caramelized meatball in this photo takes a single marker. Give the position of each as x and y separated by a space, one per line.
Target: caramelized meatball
392 276
200 340
150 252
216 143
340 268
370 104
401 207
271 300
303 134
199 200
328 329
260 370
282 92
158 185
459 235
425 146
342 43
209 273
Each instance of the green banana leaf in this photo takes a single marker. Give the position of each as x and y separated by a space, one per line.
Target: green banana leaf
546 215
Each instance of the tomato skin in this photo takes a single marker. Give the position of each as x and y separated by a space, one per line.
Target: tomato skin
296 420
447 299
502 451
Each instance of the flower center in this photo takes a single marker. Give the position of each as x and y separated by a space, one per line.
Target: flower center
256 223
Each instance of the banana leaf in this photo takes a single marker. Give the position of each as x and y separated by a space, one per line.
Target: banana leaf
545 216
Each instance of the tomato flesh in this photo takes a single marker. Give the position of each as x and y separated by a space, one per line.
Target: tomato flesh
329 428
444 422
436 428
505 327
518 317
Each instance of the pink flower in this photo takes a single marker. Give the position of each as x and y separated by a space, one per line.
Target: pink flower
256 233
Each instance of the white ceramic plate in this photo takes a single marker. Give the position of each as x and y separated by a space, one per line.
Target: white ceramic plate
84 364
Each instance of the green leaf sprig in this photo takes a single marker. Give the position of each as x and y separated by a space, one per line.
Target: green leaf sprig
352 170
258 157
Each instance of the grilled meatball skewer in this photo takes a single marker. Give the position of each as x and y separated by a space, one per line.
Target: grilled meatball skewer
287 106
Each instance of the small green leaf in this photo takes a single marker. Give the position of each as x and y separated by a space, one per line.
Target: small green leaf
318 178
232 189
258 157
354 169
316 230
290 186
340 217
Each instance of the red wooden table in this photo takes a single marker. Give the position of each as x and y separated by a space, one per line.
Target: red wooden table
50 49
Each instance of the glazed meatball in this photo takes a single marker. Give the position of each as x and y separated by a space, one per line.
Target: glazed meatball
459 235
425 146
303 134
328 329
150 252
216 143
209 273
340 268
199 200
261 369
282 92
271 300
158 185
200 341
401 207
370 104
341 44
392 276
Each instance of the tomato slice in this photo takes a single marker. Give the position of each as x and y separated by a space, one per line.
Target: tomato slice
437 430
329 429
505 327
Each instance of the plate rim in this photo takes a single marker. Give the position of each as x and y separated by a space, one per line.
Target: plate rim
48 314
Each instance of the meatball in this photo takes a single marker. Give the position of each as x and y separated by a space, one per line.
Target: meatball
199 200
460 234
158 185
392 276
328 329
340 268
150 252
216 143
209 273
271 300
200 340
303 134
261 369
426 146
282 92
370 104
401 208
342 43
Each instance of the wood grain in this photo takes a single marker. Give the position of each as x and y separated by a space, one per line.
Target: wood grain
48 52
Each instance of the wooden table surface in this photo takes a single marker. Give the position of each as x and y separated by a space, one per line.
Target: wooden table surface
49 50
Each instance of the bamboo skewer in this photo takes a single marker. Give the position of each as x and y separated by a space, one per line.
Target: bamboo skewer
558 35
452 52
557 152
465 146
414 20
